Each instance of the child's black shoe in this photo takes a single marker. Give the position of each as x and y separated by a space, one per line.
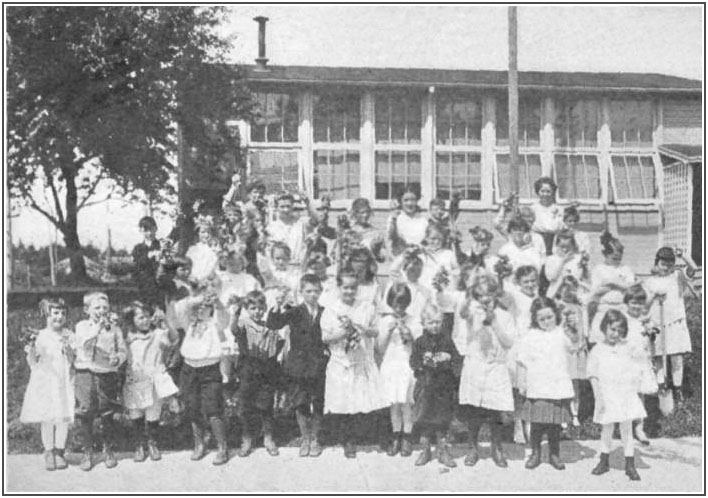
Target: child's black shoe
59 459
472 457
109 459
154 451
140 455
425 455
630 470
406 446
555 462
87 460
603 465
533 461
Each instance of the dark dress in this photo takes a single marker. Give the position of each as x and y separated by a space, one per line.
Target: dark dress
145 274
435 392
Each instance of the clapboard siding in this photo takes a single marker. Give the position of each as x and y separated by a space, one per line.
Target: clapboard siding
682 122
638 231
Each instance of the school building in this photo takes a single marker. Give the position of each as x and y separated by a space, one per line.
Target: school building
628 147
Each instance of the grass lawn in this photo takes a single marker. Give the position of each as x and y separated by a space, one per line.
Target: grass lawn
685 421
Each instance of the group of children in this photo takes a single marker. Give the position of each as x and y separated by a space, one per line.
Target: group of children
454 333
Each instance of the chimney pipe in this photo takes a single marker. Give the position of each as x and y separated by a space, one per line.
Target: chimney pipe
262 60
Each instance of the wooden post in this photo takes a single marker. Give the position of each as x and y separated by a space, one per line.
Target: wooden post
52 265
10 252
513 101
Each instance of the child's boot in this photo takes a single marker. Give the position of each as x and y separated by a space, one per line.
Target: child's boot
153 450
315 448
497 450
49 462
218 428
406 445
138 437
473 454
425 454
630 470
535 458
395 445
199 446
268 442
109 458
302 423
59 459
603 465
554 450
87 460
444 456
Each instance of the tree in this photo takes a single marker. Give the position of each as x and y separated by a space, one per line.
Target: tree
96 93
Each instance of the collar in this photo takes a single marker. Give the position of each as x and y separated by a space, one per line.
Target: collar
138 336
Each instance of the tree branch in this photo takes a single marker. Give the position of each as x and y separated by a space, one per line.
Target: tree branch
91 191
55 194
36 207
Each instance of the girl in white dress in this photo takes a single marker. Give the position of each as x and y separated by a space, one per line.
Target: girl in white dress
615 376
411 269
666 288
352 382
361 262
370 237
485 386
49 397
639 329
397 331
147 383
203 254
519 296
571 218
548 215
542 355
407 227
609 281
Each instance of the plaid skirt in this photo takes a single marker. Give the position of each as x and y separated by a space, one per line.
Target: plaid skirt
546 411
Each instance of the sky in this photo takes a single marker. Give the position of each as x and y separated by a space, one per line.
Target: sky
647 39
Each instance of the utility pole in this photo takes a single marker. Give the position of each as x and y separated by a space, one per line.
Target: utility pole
513 100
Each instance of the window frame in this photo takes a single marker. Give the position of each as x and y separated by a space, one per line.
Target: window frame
345 147
377 147
656 161
579 152
294 95
498 198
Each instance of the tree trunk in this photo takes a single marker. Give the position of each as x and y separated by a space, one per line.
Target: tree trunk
70 230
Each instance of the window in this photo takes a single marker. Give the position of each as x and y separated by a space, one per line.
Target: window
394 172
336 174
458 122
631 123
529 122
577 123
577 176
529 171
398 119
458 171
277 169
277 120
336 118
633 177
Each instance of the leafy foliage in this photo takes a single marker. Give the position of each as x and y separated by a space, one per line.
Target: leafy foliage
96 93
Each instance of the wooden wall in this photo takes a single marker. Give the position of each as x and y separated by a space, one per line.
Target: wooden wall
682 122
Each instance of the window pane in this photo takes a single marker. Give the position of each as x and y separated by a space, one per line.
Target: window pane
529 121
336 174
395 171
649 176
336 117
458 122
621 178
398 119
277 118
529 171
578 176
277 169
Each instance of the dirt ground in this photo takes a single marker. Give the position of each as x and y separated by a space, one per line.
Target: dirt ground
668 465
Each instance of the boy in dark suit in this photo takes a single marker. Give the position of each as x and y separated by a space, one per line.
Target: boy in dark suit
146 257
306 362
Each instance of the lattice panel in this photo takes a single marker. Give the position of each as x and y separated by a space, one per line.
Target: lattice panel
677 206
